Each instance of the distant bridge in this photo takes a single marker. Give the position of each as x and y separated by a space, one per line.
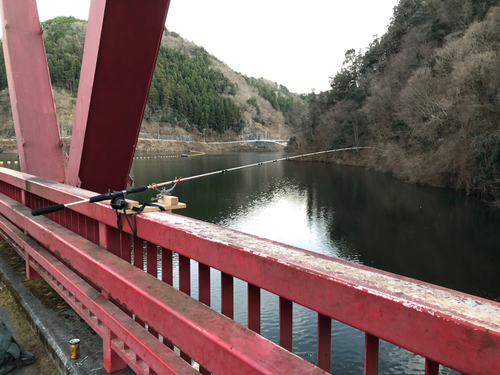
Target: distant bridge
256 142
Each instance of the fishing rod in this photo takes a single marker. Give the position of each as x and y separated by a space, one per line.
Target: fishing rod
116 195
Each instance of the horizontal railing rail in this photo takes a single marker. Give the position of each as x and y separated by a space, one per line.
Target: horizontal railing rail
443 326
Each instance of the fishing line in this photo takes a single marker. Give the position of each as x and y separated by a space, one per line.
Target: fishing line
116 194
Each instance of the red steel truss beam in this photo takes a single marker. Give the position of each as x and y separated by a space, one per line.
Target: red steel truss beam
121 45
454 329
38 142
215 341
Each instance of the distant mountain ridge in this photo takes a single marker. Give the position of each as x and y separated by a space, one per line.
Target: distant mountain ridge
191 90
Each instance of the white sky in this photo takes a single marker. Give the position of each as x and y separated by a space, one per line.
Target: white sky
299 44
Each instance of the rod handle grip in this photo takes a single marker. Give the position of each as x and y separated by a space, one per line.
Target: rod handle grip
47 210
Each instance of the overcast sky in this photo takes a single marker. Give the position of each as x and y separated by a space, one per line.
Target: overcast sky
298 44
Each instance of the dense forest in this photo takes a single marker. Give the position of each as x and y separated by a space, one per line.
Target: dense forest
186 89
426 94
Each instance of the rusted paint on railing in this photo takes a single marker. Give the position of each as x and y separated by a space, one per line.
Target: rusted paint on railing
77 291
217 342
444 326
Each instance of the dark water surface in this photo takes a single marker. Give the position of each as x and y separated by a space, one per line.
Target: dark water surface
366 217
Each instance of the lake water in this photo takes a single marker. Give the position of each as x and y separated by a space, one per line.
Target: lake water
363 216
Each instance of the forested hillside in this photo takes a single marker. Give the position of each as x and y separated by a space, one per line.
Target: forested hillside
427 94
190 88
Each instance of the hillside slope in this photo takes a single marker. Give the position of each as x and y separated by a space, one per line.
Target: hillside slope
191 90
427 94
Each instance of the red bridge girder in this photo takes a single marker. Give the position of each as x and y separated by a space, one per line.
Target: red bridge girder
121 45
38 142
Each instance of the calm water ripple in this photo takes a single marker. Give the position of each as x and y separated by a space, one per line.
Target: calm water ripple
366 217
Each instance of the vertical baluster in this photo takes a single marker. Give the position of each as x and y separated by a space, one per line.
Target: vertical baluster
67 218
152 259
185 286
227 295
82 225
28 199
204 294
52 215
431 367
60 217
286 315
111 361
74 221
90 229
324 342
371 354
110 238
125 251
254 308
167 274
97 238
185 274
31 273
204 284
139 253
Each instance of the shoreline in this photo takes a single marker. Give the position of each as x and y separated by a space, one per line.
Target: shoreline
9 146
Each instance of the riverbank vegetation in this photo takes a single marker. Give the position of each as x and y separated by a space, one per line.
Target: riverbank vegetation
426 94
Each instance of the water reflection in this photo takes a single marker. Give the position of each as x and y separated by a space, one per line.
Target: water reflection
283 213
428 234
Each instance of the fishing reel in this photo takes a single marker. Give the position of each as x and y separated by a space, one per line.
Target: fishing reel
118 203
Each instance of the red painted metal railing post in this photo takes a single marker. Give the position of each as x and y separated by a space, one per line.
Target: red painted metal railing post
139 253
431 367
286 320
204 284
111 361
324 342
185 286
113 242
125 250
254 308
371 354
227 295
167 274
31 273
90 229
74 219
152 259
185 275
82 225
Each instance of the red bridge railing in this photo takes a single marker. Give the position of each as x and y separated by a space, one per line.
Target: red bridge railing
99 271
